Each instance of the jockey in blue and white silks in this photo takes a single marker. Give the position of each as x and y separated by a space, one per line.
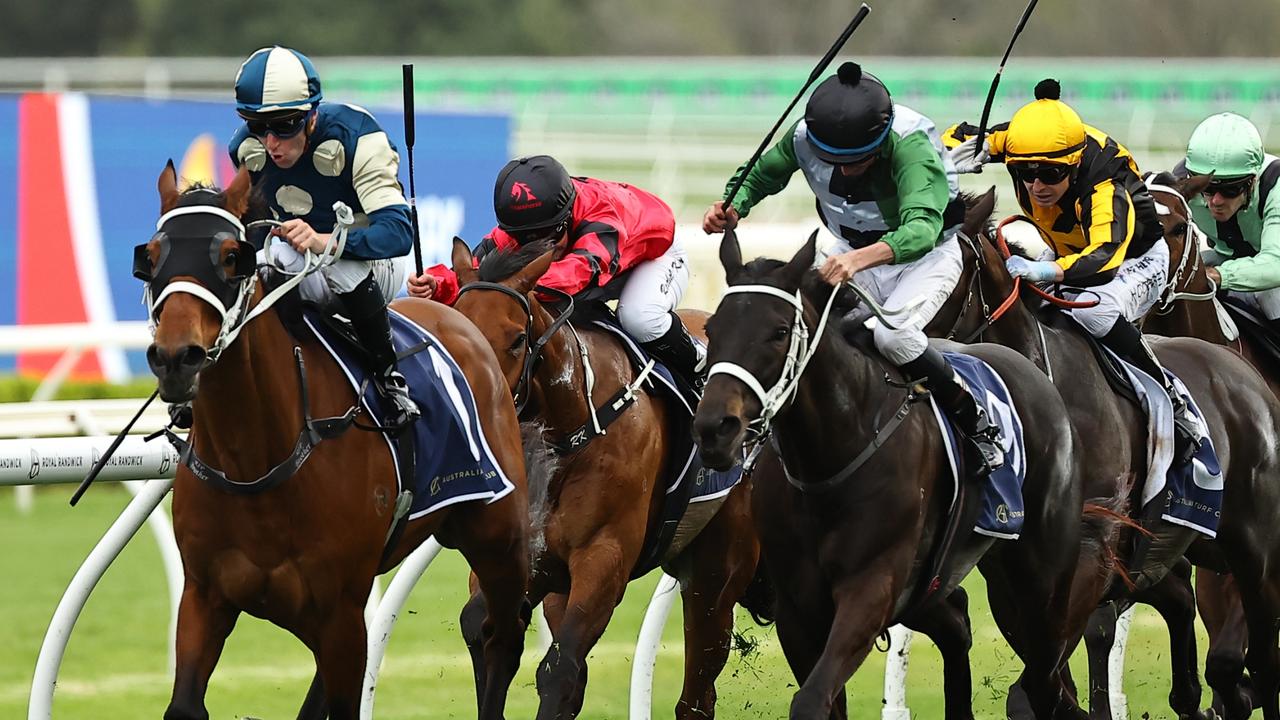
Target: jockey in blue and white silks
303 156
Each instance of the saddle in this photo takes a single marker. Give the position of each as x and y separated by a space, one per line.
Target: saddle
1115 375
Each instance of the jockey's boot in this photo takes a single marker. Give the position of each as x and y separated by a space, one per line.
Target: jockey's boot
367 311
677 349
1160 548
984 444
1127 341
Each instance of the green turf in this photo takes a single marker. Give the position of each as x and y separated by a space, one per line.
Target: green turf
115 666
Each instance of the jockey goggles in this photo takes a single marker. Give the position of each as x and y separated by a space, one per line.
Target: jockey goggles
551 234
1229 188
282 126
1047 173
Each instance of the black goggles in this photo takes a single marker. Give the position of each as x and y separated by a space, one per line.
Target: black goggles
1229 189
1047 173
283 127
551 234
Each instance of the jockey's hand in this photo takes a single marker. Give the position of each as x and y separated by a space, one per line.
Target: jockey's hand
962 156
423 286
718 220
840 268
301 236
1034 270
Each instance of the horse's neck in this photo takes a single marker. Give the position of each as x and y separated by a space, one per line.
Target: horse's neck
829 420
248 406
557 386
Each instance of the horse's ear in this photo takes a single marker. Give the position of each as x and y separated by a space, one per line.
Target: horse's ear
523 281
802 261
464 263
979 212
167 184
237 193
730 254
1194 185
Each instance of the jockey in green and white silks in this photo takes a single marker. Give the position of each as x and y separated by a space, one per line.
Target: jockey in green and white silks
1238 210
886 189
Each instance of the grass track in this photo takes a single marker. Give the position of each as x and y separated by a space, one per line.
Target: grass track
115 667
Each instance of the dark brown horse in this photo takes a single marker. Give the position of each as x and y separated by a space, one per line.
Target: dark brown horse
605 497
304 553
1191 310
1241 428
849 537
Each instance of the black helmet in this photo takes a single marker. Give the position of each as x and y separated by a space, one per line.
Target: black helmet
848 115
533 195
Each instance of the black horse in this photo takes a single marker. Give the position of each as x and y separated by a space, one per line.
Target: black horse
850 541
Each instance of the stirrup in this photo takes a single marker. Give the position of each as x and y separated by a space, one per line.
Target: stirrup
395 388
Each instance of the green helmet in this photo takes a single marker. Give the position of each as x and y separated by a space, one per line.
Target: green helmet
1226 145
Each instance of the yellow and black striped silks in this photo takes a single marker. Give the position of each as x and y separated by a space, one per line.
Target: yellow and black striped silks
1105 216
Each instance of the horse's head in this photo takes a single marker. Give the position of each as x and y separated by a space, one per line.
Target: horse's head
196 267
755 342
1172 196
505 311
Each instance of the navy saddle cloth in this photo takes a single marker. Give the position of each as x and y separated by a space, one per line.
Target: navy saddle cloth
453 460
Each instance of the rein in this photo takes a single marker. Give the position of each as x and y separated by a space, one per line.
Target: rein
1048 297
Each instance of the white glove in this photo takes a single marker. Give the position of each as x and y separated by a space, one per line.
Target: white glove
962 156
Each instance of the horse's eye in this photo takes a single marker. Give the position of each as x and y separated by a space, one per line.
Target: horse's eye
232 259
517 345
1179 229
780 333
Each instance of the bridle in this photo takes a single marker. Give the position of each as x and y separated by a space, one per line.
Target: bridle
532 348
239 313
1190 262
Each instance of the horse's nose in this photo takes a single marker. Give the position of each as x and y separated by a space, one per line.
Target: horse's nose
712 431
185 360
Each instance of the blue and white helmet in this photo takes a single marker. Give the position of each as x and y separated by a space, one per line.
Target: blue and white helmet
276 79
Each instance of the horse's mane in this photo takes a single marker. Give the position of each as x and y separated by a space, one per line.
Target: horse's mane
208 194
501 263
814 289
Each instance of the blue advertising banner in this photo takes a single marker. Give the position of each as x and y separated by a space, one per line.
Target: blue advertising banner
77 192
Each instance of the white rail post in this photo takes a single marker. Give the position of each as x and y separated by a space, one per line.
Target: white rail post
646 657
385 618
73 601
1115 667
895 675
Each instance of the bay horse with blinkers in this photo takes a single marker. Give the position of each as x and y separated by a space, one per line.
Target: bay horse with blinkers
303 554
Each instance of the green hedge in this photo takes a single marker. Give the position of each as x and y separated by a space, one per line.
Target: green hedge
15 388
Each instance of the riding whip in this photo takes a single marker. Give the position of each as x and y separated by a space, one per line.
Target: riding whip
408 141
995 81
111 450
817 73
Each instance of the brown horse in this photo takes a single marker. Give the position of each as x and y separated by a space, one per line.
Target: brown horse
1242 429
606 496
1191 310
850 536
303 554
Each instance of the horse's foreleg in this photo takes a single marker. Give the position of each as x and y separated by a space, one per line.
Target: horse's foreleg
340 645
204 622
1223 615
861 611
1173 598
723 560
599 578
947 625
493 623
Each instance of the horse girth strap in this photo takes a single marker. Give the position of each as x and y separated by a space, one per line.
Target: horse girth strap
313 432
880 437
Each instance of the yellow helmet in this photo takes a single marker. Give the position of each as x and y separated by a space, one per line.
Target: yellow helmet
1046 130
